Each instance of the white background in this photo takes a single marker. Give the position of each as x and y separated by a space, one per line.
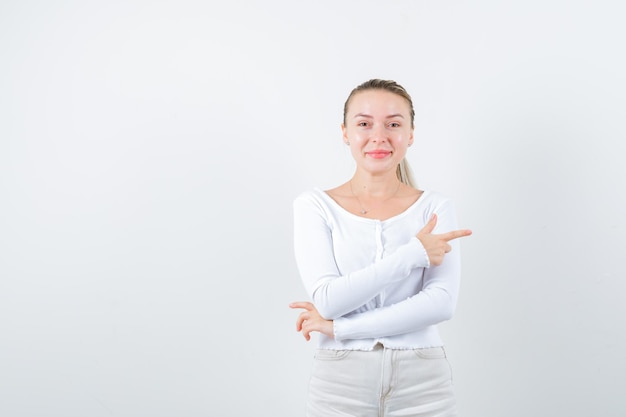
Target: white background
150 152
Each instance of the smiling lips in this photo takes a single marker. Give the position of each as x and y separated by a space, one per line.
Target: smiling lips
378 153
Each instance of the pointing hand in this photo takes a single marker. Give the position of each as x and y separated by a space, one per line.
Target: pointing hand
437 245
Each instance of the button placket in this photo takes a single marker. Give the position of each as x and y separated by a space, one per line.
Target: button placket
380 299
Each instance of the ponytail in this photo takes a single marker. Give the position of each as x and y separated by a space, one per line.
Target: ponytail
404 174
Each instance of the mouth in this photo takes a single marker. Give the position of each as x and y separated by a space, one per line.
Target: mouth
378 154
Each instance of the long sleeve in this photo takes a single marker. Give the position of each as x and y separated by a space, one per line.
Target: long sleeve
435 303
335 294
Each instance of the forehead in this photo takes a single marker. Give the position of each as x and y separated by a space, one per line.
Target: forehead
378 102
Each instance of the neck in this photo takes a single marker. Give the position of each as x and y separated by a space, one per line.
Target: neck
375 186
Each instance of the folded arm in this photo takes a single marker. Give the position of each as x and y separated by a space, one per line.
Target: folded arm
435 303
333 294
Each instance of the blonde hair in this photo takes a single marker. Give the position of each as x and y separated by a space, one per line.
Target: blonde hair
403 172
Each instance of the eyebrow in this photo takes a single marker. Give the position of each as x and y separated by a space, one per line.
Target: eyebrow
391 116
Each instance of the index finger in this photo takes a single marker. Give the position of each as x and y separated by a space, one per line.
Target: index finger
302 304
455 234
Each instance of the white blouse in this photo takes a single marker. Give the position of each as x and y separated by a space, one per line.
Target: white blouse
373 277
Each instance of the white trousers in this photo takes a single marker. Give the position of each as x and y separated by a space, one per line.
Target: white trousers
381 383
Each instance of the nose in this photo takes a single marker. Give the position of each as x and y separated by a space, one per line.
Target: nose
379 134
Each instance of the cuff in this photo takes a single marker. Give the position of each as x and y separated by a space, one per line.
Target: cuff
423 261
337 327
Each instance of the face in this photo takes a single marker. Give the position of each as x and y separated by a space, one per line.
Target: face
378 129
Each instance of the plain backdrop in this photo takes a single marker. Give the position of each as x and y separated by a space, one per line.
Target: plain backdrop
150 152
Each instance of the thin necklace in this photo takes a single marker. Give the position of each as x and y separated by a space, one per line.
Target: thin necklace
363 209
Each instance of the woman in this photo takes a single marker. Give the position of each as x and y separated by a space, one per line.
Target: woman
379 278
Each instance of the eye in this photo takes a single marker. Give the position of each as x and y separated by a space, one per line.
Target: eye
394 124
362 124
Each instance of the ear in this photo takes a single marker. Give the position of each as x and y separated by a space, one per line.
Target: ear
411 138
344 133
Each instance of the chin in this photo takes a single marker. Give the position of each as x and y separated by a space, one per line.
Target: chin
381 167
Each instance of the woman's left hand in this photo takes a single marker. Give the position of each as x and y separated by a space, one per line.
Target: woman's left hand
310 320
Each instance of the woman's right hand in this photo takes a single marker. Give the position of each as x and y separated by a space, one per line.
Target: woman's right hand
310 320
437 245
